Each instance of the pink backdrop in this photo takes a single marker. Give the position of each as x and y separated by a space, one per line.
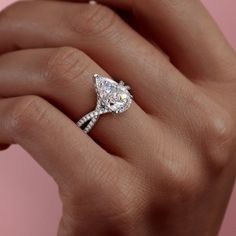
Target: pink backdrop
29 202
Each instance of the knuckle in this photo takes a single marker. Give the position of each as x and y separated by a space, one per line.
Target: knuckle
184 182
94 20
215 126
220 127
64 66
27 112
220 136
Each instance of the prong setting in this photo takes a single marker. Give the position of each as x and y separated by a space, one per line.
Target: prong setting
112 97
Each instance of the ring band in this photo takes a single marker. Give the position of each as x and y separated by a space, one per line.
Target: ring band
112 97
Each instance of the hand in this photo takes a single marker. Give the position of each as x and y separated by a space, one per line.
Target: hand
164 167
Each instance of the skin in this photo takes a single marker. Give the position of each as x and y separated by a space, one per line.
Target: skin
164 167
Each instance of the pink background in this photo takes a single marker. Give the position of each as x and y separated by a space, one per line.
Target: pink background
29 202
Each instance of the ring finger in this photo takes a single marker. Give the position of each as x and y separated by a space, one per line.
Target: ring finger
63 76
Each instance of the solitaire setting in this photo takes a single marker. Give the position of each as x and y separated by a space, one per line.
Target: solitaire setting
112 97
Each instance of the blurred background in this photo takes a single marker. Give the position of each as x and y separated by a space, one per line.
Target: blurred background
29 202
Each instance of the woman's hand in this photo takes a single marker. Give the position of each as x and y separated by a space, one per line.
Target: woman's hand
164 167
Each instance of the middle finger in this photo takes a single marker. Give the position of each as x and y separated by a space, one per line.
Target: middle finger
101 34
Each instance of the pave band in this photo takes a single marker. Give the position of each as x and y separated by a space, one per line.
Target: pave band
111 97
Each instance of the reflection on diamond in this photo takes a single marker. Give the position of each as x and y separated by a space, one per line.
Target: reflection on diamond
115 97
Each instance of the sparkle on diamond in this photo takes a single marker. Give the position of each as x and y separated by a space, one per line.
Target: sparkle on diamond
113 96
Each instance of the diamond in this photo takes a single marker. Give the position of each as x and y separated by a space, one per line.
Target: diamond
113 96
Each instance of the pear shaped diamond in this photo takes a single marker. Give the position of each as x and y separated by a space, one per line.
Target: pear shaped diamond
113 96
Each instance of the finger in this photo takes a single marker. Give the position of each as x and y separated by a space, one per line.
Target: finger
64 76
54 141
158 87
100 33
187 33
